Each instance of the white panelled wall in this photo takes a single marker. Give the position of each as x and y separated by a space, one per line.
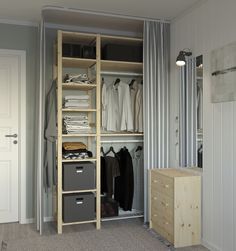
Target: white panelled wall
209 26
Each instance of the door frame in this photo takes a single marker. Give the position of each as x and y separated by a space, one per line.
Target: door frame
21 54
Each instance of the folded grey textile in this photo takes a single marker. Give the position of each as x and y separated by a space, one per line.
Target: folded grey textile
76 117
74 123
81 155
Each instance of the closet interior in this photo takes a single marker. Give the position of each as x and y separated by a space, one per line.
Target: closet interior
100 128
199 81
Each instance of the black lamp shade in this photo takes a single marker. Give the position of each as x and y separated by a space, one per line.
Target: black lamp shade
180 60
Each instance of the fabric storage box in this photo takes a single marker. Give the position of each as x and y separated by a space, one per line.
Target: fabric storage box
78 207
123 53
78 176
89 52
71 50
109 207
66 50
76 51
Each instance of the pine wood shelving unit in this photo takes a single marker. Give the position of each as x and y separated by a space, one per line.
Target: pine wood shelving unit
99 65
67 62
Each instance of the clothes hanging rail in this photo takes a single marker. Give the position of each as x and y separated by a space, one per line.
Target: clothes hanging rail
121 73
122 141
122 217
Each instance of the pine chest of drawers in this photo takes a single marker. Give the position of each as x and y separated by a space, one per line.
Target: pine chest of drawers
175 205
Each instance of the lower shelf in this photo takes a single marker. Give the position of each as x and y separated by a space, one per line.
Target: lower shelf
79 160
79 222
79 191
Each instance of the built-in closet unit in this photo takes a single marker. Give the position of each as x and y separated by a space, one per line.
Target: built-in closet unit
101 71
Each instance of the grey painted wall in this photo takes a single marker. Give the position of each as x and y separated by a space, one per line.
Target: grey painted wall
18 37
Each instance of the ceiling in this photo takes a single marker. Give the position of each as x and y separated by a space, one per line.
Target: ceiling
30 10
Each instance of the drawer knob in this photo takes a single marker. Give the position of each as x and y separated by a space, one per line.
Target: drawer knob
166 186
155 215
165 204
167 223
155 198
155 181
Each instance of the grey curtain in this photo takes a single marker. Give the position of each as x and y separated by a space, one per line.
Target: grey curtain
39 137
156 51
188 115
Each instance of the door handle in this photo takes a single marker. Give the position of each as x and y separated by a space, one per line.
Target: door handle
11 135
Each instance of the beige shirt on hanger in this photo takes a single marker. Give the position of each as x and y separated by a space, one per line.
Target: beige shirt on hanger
139 109
126 117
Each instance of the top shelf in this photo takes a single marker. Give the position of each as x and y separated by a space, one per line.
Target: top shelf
122 66
76 37
105 39
78 62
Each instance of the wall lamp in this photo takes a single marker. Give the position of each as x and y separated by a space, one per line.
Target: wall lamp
180 60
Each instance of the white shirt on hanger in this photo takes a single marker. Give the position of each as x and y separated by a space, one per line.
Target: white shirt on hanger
113 114
139 109
133 93
104 106
126 117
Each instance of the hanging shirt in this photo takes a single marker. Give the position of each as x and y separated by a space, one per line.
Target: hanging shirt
104 106
137 159
126 118
113 114
133 93
139 109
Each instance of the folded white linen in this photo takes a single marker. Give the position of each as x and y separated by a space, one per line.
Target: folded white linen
77 97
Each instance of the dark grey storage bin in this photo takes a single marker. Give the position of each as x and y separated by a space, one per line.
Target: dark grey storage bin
123 52
71 50
78 207
78 176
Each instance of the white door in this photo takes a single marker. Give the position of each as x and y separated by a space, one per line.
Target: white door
9 124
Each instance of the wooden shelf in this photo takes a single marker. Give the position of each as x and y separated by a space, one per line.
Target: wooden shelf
107 65
121 134
78 62
79 160
121 40
79 222
76 37
80 191
78 110
79 135
80 87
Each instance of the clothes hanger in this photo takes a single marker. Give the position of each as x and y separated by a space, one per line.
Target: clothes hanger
139 148
102 151
131 83
117 81
110 150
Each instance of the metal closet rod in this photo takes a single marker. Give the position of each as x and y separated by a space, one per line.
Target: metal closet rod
121 73
122 141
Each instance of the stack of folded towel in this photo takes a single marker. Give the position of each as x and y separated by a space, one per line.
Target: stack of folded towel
75 150
76 101
76 124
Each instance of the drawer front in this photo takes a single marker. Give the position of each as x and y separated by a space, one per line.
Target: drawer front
162 232
78 176
78 207
162 184
164 221
162 204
